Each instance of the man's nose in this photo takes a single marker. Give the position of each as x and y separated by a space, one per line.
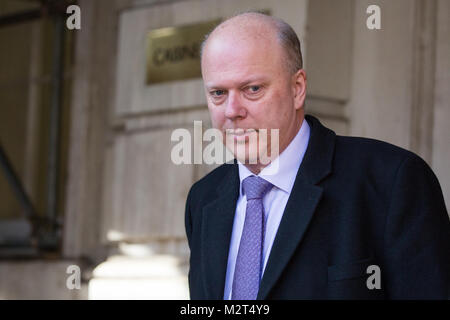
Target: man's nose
234 107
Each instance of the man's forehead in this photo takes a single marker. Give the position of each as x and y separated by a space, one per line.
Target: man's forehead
234 46
239 48
238 60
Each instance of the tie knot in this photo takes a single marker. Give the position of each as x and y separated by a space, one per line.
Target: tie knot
255 187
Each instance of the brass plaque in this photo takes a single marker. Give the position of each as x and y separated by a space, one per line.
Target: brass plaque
173 53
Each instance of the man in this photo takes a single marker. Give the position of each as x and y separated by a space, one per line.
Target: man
341 217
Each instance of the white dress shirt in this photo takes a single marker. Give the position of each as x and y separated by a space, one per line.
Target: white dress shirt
274 201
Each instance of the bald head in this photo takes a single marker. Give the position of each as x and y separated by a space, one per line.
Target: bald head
254 26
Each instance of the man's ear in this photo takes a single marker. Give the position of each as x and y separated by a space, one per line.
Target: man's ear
299 87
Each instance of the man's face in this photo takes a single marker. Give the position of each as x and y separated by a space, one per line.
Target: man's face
248 87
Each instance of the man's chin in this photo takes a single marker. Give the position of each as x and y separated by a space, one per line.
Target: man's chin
247 158
246 152
247 161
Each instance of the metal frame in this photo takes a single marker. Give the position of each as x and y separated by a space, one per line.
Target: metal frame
45 235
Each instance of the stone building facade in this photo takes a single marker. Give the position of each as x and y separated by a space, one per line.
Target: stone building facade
123 206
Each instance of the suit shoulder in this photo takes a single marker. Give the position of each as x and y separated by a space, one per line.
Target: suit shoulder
369 149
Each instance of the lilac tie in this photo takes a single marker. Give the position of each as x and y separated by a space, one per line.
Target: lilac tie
248 270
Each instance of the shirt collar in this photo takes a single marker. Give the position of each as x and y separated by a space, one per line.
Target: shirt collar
288 162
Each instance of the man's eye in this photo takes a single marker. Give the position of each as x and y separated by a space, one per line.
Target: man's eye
254 89
217 93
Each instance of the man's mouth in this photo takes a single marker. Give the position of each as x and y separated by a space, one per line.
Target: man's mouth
240 131
241 135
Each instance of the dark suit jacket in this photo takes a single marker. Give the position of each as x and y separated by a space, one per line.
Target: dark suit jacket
355 202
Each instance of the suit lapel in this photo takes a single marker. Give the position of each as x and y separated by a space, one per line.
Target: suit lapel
217 225
295 221
302 203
